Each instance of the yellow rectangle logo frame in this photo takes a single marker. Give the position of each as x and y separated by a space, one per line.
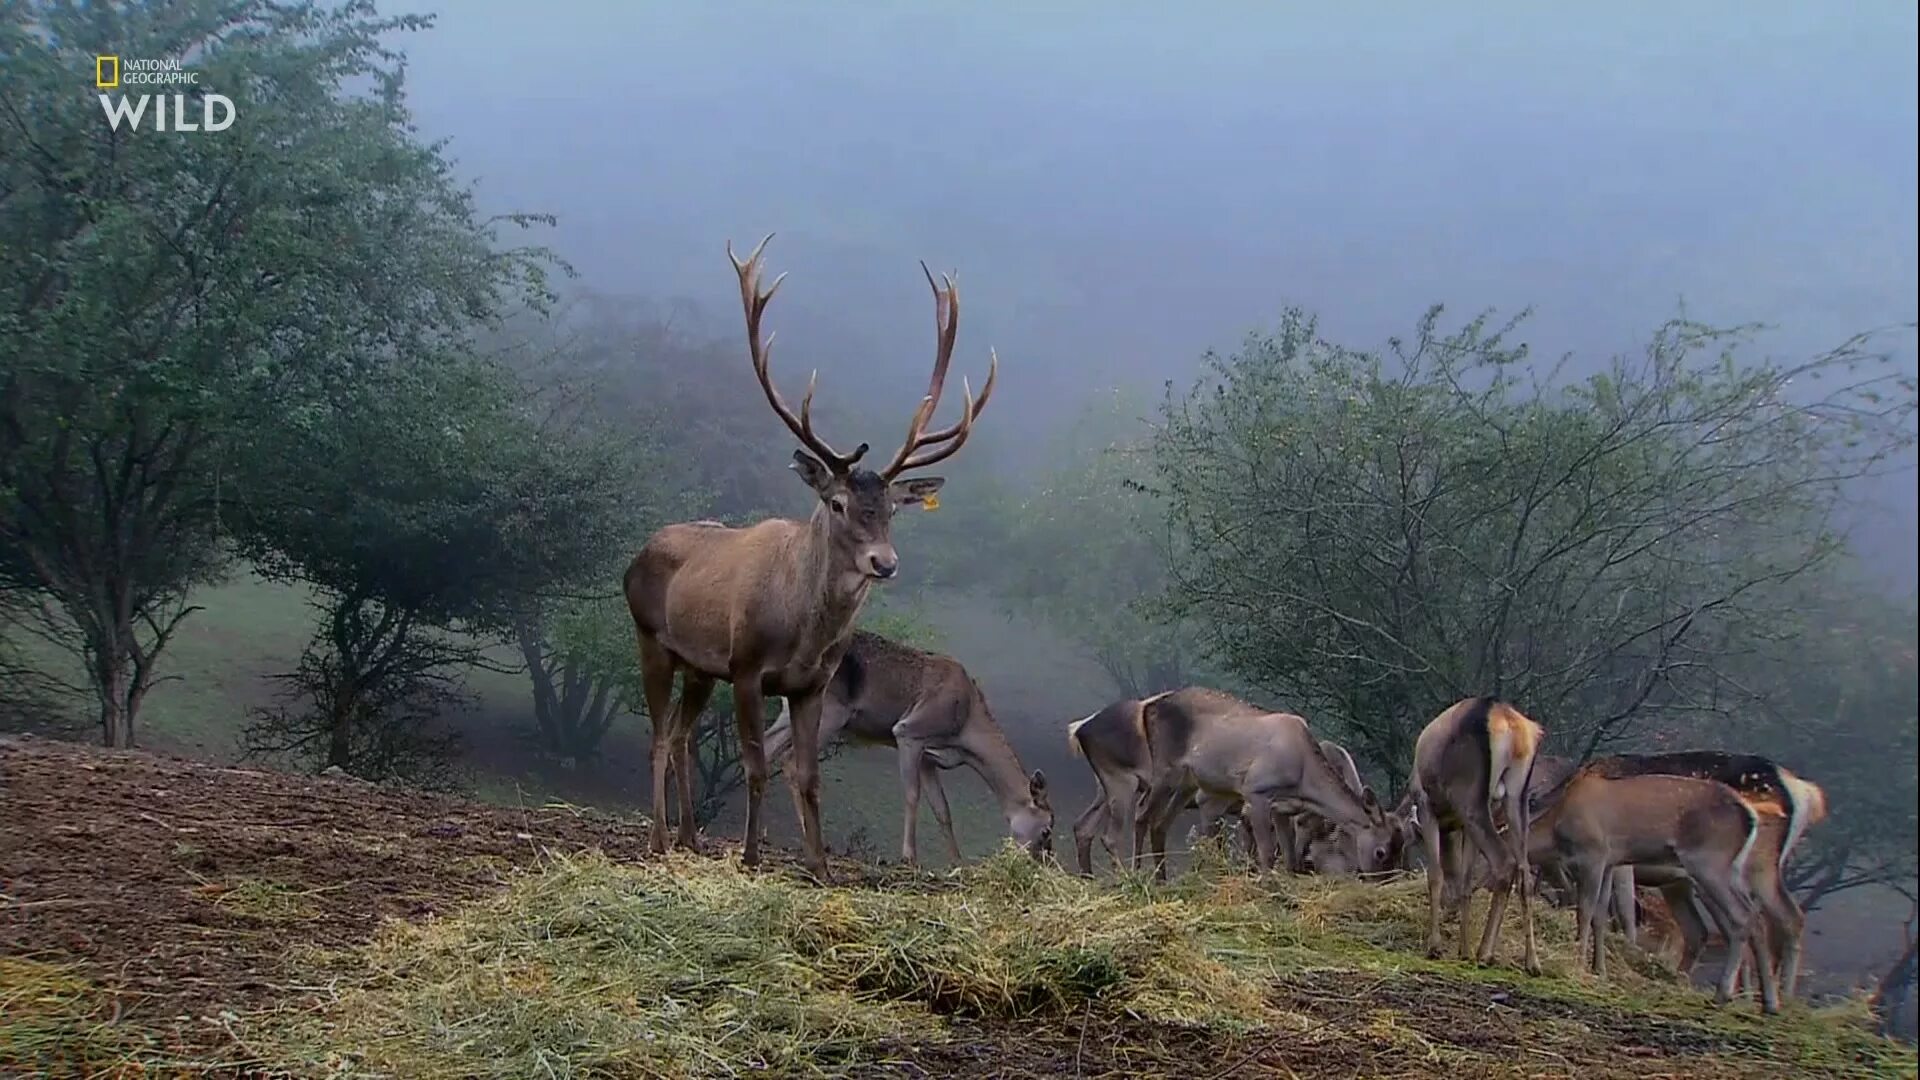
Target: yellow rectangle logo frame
106 72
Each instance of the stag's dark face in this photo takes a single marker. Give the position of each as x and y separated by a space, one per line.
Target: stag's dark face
859 505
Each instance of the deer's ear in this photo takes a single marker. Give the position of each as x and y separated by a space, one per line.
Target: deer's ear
817 476
1038 781
916 490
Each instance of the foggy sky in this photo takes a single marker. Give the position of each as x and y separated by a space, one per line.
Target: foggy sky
1123 185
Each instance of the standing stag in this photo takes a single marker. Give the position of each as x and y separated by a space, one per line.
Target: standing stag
1471 765
769 607
1204 742
928 707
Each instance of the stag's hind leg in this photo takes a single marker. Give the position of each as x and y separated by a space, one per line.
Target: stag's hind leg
695 690
656 677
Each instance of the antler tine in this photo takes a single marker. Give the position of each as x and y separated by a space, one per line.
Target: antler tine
947 440
946 326
755 301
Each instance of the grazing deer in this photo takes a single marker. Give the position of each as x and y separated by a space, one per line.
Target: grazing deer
1786 805
1471 765
928 707
1113 741
1339 851
769 607
1700 827
1228 751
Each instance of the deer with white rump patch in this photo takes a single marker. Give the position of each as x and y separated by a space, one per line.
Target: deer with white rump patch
928 707
1470 770
1699 827
770 607
1204 742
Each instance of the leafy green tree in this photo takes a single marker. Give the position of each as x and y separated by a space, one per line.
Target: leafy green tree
432 504
167 302
1372 537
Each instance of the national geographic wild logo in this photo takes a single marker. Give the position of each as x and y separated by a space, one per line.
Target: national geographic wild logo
157 111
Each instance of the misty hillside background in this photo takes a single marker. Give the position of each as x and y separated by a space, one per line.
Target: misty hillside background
1124 190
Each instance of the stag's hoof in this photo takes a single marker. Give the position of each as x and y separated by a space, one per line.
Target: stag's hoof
1434 951
1531 967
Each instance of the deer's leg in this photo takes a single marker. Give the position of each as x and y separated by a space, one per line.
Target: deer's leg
937 797
1686 918
1286 831
1161 808
1459 860
1783 921
1478 820
1516 838
1091 822
1260 812
1436 878
1733 912
749 712
656 677
803 778
695 690
912 767
1591 878
1123 822
1624 904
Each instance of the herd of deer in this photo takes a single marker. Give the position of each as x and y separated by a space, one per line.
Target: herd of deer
770 608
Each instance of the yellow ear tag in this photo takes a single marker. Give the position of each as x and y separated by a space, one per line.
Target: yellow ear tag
931 502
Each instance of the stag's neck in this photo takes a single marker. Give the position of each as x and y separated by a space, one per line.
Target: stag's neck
832 578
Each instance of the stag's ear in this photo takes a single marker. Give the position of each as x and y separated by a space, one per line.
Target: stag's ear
916 490
1370 802
1038 781
817 476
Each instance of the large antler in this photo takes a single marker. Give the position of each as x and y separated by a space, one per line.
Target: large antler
755 303
943 443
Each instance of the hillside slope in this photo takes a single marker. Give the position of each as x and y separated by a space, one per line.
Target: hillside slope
157 912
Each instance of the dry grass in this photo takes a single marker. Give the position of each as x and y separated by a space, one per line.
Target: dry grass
692 967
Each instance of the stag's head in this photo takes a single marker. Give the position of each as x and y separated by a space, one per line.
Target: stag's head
1344 850
858 503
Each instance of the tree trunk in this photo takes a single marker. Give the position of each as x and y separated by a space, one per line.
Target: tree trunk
111 677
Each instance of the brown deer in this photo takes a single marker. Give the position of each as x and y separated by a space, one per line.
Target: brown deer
932 711
770 607
1113 741
1699 827
1228 751
1336 850
1786 805
1471 765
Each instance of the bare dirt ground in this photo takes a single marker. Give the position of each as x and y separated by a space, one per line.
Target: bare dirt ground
168 883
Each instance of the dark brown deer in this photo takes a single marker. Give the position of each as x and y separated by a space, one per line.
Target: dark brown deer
1204 742
1471 765
932 711
1699 827
770 607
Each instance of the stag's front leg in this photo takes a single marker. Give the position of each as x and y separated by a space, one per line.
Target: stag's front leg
749 715
804 781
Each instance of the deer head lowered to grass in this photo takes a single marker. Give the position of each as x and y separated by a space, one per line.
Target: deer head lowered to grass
770 607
